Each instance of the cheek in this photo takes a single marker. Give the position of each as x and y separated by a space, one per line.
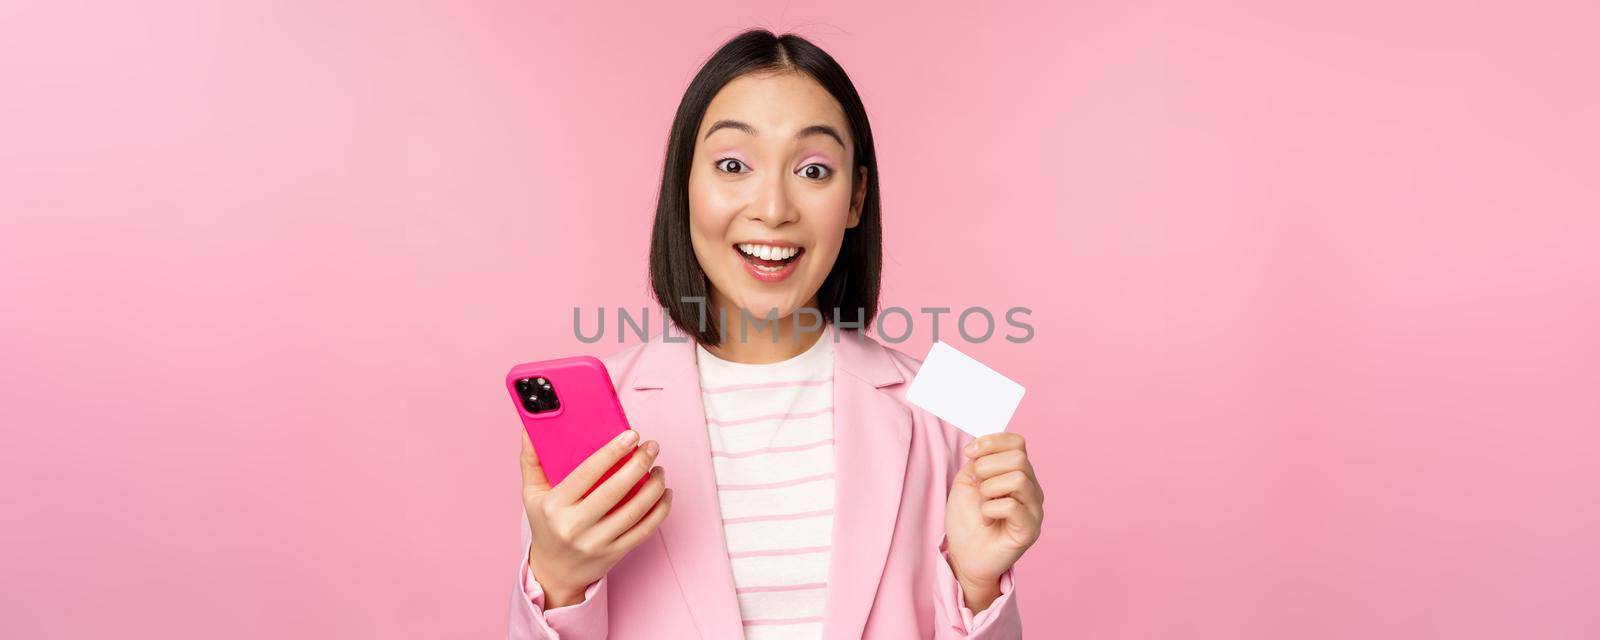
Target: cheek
709 213
832 203
828 214
705 237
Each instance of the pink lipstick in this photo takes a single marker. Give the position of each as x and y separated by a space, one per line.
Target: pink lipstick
772 261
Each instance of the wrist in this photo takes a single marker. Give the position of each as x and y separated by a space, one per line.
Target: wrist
979 597
556 594
977 592
555 598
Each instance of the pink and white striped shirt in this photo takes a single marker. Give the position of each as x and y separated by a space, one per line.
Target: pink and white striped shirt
771 428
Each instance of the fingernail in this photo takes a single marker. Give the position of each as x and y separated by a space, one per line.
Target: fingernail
971 448
629 437
651 447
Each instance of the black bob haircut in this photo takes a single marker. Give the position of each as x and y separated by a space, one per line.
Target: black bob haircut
850 292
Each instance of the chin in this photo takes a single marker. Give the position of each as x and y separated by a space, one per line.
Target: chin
763 307
760 304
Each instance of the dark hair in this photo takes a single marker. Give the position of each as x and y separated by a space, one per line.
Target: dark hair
851 288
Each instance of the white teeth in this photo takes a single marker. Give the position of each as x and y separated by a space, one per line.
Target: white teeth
768 252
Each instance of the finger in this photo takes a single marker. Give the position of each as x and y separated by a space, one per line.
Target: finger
1010 483
994 443
1021 521
589 471
532 472
1001 508
1006 461
1017 485
609 493
647 525
619 521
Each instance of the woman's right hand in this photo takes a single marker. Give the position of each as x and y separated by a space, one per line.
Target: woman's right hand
575 540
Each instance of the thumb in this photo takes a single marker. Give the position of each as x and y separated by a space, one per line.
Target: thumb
532 473
967 476
964 488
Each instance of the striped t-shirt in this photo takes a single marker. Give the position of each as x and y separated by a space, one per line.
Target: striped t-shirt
771 428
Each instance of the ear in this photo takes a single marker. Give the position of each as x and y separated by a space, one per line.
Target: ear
857 199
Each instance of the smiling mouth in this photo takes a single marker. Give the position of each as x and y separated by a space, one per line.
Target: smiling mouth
769 263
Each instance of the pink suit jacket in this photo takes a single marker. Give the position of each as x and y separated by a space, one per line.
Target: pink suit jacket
888 577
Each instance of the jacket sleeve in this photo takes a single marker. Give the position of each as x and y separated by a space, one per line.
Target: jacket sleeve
1001 620
586 620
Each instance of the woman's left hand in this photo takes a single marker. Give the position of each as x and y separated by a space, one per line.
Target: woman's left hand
992 516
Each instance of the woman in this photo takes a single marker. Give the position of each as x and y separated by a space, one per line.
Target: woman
808 498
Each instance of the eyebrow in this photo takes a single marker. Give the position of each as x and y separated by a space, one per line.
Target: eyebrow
808 131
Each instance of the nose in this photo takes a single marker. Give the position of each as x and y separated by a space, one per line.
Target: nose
772 206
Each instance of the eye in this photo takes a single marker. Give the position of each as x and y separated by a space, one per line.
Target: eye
730 165
816 171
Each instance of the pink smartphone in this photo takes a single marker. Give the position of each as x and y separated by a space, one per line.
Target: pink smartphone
570 410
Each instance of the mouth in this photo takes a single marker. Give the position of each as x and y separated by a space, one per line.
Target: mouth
769 261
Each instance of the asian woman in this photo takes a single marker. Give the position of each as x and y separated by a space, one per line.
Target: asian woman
807 498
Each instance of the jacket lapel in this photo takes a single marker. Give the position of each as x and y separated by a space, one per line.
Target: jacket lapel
674 414
872 440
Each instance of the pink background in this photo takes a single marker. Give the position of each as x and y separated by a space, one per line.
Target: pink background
1316 295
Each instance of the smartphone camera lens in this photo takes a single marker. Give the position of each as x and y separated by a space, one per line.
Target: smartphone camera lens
537 395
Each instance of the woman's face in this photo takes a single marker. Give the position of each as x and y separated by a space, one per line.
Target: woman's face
770 192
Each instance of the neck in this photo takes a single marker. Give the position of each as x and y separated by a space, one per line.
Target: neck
762 342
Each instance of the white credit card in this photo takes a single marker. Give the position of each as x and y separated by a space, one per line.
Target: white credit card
964 392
